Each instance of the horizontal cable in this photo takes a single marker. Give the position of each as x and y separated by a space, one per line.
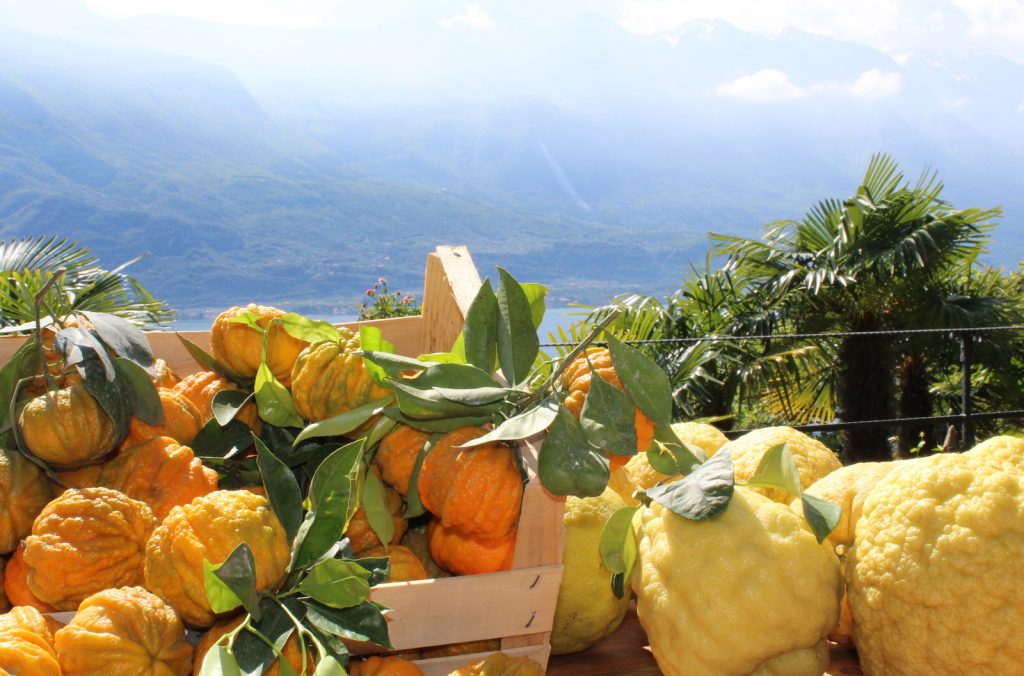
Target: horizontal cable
798 336
894 422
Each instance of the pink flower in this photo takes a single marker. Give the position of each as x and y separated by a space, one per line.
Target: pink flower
407 299
371 293
381 280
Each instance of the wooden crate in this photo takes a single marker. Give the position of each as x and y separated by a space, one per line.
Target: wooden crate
516 606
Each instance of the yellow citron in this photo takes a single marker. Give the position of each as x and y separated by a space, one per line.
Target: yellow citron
813 458
641 476
934 575
587 609
748 589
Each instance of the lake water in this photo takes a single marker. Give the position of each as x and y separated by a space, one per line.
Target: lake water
553 318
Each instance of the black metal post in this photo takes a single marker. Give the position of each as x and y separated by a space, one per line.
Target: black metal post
967 426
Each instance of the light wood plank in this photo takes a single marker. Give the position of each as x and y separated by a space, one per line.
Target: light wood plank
450 283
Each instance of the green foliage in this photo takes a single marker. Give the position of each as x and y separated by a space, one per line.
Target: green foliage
28 265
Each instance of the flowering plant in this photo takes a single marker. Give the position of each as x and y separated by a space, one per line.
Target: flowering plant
383 303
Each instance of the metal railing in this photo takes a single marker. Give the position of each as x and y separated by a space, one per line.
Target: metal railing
965 420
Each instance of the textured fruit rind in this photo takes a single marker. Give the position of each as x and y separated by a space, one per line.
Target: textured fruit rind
934 577
291 651
209 528
329 378
384 666
25 492
181 422
16 583
708 437
813 459
405 565
66 427
240 347
500 664
126 631
85 541
587 610
396 456
26 644
478 491
160 472
725 595
468 555
201 387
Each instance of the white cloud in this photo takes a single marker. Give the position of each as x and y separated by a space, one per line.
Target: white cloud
472 16
764 85
874 84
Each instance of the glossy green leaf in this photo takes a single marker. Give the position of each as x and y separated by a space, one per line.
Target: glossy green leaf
107 392
282 488
253 653
535 296
777 469
336 583
645 382
523 426
122 338
480 332
78 345
227 403
821 515
139 391
250 319
394 365
669 455
476 396
219 662
413 505
372 340
221 597
375 504
343 423
238 573
309 330
22 364
568 465
214 441
518 344
378 567
334 498
429 404
439 424
206 360
329 666
364 622
618 547
274 401
703 493
380 429
609 418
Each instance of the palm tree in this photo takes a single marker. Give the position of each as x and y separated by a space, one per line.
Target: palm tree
883 259
28 265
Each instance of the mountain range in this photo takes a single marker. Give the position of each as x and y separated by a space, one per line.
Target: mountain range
581 156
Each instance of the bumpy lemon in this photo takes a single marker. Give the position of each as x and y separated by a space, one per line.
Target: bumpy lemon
813 458
934 575
587 609
210 528
707 437
746 590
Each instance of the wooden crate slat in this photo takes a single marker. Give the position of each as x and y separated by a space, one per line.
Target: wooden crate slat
470 607
449 286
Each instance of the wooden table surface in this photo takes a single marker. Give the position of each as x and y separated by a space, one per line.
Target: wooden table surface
624 653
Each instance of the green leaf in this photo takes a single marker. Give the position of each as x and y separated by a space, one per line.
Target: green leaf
78 345
21 365
282 488
609 418
334 498
430 404
439 425
221 597
532 421
219 662
452 357
336 583
122 338
343 423
394 365
107 392
372 340
381 428
451 376
375 504
518 344
703 493
379 568
618 548
253 653
364 622
214 441
568 465
274 401
329 666
413 505
309 330
535 295
250 319
139 390
645 382
238 573
777 469
480 332
669 455
821 515
476 396
206 360
227 403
